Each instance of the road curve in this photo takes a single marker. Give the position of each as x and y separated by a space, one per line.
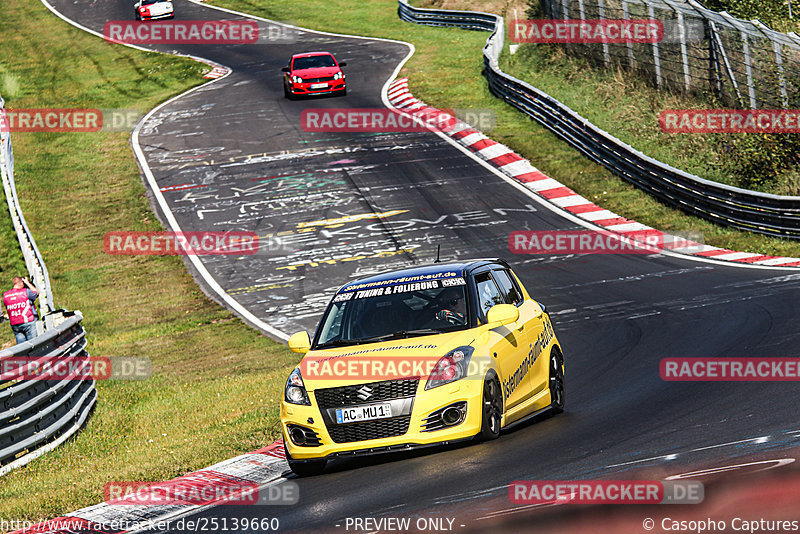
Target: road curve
232 156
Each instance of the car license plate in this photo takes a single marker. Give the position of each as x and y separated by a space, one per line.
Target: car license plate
319 85
363 413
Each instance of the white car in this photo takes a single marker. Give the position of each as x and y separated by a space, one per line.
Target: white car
153 9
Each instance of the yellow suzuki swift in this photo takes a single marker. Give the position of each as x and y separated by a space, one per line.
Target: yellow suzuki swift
424 356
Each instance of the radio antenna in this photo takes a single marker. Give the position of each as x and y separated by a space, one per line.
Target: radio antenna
438 249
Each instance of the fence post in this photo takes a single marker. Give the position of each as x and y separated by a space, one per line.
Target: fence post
656 58
748 62
781 75
777 48
684 54
626 15
601 11
727 63
714 76
748 59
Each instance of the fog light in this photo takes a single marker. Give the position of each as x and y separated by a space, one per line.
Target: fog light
451 416
298 435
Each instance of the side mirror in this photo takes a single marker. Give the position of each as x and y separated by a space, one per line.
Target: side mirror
300 342
502 314
343 63
285 69
539 309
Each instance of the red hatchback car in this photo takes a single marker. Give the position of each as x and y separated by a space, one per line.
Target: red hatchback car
313 73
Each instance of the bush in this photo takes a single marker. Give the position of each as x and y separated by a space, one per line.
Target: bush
773 13
759 160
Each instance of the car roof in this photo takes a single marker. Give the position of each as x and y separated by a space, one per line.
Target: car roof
421 273
310 54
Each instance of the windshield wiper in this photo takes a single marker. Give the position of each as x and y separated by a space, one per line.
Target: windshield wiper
338 343
402 334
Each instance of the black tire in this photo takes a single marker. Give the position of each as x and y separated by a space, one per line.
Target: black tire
344 91
491 408
556 381
136 14
287 93
306 468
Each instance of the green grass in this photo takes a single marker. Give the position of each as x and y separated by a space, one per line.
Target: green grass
216 383
445 72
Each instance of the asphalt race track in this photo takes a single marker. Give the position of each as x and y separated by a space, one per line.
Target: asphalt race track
232 156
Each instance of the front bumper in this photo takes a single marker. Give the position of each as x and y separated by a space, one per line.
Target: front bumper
156 17
334 86
423 404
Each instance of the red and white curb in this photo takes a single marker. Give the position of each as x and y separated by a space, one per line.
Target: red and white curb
553 191
217 70
259 467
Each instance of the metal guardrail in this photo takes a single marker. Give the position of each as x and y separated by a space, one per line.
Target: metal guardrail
764 213
33 258
38 415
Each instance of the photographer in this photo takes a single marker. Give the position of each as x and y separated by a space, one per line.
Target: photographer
20 309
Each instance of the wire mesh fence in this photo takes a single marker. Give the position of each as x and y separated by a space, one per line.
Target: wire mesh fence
723 204
742 63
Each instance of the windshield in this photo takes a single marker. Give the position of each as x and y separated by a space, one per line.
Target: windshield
148 2
398 311
313 62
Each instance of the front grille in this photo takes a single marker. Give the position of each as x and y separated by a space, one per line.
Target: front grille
381 428
348 395
317 80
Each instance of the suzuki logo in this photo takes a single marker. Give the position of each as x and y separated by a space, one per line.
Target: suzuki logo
364 392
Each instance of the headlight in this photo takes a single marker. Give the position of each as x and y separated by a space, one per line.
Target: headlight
297 79
295 391
451 367
338 76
